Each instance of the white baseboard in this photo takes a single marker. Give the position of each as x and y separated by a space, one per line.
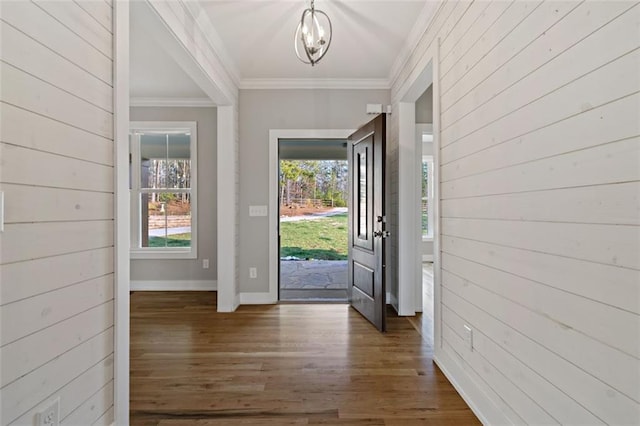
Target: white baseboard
257 299
392 300
427 258
476 399
230 308
177 285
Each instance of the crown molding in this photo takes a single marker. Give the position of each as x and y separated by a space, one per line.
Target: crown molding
172 102
206 28
315 83
420 27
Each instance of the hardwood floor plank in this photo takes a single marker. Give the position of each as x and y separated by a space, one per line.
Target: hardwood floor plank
280 365
253 421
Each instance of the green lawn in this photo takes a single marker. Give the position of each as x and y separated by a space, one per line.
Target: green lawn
177 240
324 239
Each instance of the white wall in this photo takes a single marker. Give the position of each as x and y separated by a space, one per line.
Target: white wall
192 43
424 107
175 273
540 185
56 264
261 110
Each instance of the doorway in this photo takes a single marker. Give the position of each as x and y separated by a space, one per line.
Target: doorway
424 148
275 136
312 220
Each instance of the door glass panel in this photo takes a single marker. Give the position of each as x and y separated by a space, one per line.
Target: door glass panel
362 195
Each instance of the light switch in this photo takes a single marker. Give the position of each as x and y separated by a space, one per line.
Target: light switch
258 210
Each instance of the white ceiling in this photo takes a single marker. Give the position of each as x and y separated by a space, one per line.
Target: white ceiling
155 74
369 37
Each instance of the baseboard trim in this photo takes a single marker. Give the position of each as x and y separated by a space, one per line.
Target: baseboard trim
392 300
174 285
427 258
476 399
229 308
257 299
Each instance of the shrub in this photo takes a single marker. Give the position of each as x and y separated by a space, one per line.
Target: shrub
165 197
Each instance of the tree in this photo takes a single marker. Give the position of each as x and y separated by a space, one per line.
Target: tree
314 179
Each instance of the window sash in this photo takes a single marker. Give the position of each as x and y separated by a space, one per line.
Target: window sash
427 234
138 252
164 190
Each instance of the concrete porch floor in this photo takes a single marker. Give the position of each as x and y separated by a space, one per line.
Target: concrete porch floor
313 280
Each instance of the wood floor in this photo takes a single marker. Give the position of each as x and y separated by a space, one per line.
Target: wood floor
280 365
424 321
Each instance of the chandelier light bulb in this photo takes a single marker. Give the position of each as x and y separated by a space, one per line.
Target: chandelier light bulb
311 36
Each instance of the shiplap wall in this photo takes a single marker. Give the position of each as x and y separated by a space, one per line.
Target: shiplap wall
56 258
540 204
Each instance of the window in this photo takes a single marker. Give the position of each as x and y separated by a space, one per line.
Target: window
163 190
427 197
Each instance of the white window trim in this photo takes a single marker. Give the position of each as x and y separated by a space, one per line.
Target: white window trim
429 236
137 252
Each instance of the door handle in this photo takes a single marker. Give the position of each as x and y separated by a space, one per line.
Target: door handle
381 234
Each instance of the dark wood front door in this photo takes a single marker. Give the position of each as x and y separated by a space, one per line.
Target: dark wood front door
367 221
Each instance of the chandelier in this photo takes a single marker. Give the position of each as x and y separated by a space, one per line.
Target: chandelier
311 35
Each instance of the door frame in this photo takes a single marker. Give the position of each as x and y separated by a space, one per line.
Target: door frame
420 130
274 216
122 219
409 174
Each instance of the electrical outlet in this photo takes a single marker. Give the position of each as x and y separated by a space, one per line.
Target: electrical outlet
468 337
50 416
205 263
253 273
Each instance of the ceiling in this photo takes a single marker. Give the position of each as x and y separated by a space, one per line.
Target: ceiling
155 74
309 149
369 37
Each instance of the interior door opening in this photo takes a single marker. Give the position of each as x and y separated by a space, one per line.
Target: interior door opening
426 186
313 196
